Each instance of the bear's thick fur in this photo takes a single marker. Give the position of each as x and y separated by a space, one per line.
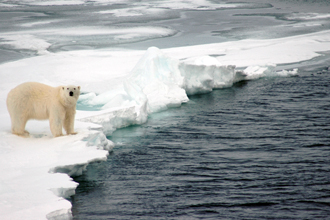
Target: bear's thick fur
32 100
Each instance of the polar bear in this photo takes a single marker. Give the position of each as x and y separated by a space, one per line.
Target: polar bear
32 100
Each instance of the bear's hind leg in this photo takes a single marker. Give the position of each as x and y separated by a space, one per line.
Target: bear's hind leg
18 127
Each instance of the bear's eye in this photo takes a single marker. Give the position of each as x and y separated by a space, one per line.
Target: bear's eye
74 88
67 88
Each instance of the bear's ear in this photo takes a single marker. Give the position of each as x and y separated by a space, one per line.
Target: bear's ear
63 88
78 87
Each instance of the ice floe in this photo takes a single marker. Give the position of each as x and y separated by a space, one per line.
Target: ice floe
122 87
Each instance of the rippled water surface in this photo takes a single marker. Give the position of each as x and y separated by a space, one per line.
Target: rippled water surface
258 150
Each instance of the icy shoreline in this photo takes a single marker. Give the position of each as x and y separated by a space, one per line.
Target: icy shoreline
35 177
127 86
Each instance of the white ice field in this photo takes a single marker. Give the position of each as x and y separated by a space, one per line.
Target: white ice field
119 88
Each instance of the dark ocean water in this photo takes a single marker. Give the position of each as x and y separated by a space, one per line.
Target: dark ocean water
257 150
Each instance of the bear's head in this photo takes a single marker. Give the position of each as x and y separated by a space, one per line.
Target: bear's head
70 95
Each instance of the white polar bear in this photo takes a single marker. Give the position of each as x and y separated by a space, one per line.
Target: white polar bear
32 100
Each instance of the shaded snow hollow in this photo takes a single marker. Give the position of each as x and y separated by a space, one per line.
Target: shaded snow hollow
122 87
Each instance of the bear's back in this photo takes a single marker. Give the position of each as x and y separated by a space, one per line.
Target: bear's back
31 98
31 91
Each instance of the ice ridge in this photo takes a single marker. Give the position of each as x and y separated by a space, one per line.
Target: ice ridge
158 82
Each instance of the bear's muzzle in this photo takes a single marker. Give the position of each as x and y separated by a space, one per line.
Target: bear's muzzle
71 93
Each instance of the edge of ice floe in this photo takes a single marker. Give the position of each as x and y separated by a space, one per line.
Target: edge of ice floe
95 139
156 83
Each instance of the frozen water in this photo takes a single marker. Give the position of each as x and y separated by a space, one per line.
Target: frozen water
122 86
26 41
308 16
29 187
158 81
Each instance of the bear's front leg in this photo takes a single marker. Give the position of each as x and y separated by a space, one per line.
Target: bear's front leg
68 123
55 123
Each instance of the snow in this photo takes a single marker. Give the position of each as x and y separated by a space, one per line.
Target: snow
30 188
26 41
37 40
194 5
172 4
121 88
52 2
252 52
308 16
134 11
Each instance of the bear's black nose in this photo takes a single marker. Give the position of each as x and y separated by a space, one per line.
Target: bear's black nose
71 93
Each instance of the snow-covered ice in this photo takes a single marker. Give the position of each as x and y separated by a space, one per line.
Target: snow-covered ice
122 87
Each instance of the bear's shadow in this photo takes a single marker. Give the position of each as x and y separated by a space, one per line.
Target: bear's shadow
38 136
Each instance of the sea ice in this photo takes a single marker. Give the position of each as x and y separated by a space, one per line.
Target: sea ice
125 86
26 41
